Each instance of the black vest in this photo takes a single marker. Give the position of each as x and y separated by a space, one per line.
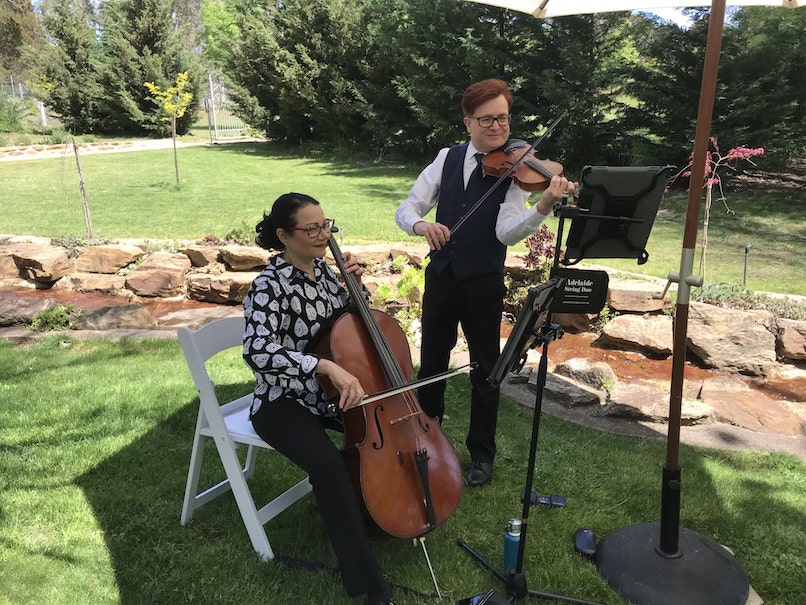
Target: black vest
474 249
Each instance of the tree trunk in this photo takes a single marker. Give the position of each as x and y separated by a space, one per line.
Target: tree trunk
173 136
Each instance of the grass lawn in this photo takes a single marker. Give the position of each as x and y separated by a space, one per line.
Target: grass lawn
223 187
226 188
95 436
95 439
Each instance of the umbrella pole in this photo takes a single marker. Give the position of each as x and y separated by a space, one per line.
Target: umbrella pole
662 564
686 279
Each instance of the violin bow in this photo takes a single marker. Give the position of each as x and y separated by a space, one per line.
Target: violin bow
509 171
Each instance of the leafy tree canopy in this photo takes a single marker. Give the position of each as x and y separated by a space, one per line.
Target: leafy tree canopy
92 73
385 77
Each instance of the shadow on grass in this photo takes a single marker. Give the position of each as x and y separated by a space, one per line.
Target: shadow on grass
358 168
125 347
742 501
136 496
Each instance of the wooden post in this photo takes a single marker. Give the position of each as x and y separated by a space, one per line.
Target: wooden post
173 136
84 203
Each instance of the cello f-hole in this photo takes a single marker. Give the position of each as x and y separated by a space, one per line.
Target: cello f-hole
375 416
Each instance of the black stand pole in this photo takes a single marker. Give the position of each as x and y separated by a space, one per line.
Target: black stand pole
546 332
515 580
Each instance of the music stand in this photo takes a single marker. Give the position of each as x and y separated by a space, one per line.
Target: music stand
532 328
616 210
619 204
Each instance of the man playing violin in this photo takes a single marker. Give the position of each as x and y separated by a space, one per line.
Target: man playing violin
464 281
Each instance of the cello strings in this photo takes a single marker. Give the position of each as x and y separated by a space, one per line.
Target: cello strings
389 363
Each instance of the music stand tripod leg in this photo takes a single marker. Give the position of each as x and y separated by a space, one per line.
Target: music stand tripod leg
515 580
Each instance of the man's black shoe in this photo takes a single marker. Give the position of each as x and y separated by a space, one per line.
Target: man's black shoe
479 473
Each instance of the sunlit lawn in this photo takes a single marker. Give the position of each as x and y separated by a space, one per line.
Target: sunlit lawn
95 439
226 188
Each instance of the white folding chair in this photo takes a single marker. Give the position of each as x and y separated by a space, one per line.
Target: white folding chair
229 427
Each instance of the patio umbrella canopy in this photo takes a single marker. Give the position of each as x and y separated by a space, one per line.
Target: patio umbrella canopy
663 564
545 9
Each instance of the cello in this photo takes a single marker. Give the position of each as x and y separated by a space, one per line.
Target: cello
404 470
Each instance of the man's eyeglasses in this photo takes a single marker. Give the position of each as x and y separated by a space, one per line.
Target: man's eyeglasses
487 121
314 230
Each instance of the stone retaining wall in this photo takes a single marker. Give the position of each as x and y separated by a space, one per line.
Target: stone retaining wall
743 342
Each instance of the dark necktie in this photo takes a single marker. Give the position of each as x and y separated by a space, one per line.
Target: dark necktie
479 171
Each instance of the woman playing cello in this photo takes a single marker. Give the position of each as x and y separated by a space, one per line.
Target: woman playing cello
286 307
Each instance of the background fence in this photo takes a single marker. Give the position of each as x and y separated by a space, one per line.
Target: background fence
15 89
222 122
18 90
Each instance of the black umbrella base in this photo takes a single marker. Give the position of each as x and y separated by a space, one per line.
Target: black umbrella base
702 572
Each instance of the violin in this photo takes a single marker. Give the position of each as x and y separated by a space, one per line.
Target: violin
530 174
505 163
404 470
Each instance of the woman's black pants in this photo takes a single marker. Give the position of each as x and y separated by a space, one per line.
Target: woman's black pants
301 437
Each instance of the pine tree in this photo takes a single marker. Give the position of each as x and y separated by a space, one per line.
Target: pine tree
18 27
298 66
65 74
143 44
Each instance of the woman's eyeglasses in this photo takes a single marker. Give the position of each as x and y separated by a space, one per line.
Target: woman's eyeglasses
314 230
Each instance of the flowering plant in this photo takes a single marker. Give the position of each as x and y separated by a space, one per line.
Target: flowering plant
541 248
714 162
538 262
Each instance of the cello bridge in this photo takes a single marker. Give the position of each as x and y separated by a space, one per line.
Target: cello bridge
406 417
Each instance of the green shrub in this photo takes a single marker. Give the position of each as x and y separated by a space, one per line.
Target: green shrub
59 317
12 113
605 315
731 296
244 234
75 245
57 136
412 283
399 264
723 295
383 294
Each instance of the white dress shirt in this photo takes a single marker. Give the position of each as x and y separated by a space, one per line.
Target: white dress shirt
515 221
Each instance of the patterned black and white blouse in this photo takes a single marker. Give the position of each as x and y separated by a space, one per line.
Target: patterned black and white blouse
285 310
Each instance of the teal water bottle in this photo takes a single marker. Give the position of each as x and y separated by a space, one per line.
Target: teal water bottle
512 539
